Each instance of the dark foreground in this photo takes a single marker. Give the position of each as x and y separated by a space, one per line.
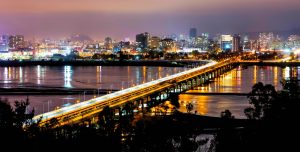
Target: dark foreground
178 132
272 125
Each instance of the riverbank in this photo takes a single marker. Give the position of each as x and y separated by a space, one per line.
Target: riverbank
164 63
53 91
266 63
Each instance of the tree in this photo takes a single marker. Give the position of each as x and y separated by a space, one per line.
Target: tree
6 114
22 115
106 121
249 112
227 114
195 53
128 109
17 117
174 99
261 97
189 107
13 123
291 87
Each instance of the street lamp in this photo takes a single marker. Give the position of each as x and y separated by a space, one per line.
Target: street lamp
83 95
111 86
49 101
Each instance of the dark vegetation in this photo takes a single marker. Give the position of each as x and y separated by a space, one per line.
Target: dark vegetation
272 125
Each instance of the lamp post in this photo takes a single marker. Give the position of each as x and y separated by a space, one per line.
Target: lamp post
111 88
49 101
83 95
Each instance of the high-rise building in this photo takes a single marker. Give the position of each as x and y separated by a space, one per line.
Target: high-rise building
265 40
205 42
225 42
108 44
193 33
236 43
4 41
246 43
16 41
154 42
198 42
168 45
142 40
293 41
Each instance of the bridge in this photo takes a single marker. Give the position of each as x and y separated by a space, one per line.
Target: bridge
144 95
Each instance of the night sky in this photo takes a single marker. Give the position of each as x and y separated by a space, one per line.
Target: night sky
125 18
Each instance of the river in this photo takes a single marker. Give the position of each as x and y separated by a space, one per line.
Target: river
238 80
89 77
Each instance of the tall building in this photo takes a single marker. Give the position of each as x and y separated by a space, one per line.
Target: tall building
293 41
108 43
225 42
4 41
265 40
236 43
168 45
154 42
142 40
198 43
193 33
246 43
205 44
16 41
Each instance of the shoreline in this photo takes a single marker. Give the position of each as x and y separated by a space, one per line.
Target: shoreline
52 91
164 63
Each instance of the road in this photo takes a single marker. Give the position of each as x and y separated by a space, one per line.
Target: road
76 112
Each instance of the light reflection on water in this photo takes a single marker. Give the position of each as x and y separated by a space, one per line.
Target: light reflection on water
81 76
68 77
92 77
238 80
213 105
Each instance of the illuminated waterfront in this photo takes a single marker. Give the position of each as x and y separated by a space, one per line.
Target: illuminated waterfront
83 77
103 77
238 80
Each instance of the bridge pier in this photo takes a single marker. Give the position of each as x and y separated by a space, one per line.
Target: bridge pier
183 82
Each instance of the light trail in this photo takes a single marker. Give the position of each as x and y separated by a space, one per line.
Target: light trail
105 100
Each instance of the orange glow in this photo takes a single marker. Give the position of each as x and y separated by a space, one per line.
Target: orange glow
199 103
255 74
275 76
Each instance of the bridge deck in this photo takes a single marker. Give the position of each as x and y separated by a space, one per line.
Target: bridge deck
85 109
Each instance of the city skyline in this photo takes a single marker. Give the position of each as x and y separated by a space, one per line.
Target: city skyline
120 19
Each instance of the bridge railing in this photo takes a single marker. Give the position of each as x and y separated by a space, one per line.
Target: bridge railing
91 107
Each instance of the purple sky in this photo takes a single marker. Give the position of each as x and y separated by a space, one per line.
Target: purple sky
125 18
